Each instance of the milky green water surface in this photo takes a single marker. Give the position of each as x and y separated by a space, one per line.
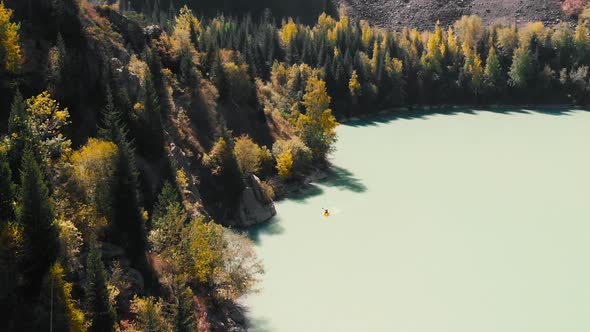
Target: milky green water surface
469 222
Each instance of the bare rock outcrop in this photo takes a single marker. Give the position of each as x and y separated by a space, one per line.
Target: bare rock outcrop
254 206
191 194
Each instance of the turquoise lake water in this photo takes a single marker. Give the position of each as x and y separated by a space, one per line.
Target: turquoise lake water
476 221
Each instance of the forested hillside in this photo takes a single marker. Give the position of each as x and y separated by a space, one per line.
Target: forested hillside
131 142
306 10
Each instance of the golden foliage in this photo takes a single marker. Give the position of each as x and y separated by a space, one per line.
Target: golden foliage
207 245
182 179
214 159
11 54
268 189
532 30
46 121
186 20
288 31
582 35
367 34
70 242
470 30
354 85
316 98
239 80
93 165
285 164
63 292
325 22
317 126
395 67
508 39
149 315
137 67
248 154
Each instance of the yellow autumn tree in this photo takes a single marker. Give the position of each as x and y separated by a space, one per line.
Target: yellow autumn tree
435 49
58 294
207 246
186 21
317 127
93 168
10 50
186 28
477 74
285 164
288 31
354 85
47 118
238 80
248 154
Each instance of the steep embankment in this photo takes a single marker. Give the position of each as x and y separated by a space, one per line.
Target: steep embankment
423 13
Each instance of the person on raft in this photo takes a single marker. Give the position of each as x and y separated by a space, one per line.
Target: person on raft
326 212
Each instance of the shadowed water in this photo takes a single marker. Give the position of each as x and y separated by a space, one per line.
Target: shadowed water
456 222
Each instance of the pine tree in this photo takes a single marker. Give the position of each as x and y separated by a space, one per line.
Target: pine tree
155 65
36 217
6 191
126 223
493 70
101 314
151 131
19 133
183 315
168 196
521 70
58 65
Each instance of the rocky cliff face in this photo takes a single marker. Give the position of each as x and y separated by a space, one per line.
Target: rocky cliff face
255 206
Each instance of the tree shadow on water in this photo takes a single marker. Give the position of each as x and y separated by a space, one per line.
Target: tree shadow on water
304 193
259 324
271 227
342 178
423 114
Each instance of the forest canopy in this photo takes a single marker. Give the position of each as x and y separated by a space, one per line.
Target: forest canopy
136 140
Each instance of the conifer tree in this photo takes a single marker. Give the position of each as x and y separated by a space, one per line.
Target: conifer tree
101 314
6 191
18 132
152 142
126 223
183 314
36 217
522 69
493 70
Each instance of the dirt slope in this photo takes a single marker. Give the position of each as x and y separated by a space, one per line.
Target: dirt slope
424 13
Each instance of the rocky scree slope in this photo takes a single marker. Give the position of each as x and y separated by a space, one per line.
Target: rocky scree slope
422 14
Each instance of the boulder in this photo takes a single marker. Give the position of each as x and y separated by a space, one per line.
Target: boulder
255 206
